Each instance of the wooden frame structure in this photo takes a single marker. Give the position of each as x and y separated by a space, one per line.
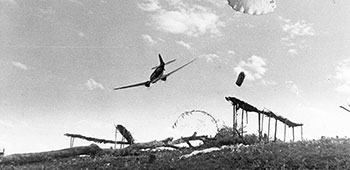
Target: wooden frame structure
126 135
239 104
92 139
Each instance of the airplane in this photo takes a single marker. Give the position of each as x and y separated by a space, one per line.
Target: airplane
158 74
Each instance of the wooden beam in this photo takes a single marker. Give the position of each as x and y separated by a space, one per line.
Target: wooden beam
242 122
71 142
236 117
122 145
115 138
246 117
268 133
275 130
301 128
94 139
284 139
233 119
262 123
259 131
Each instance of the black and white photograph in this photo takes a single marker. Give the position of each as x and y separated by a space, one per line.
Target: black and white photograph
174 84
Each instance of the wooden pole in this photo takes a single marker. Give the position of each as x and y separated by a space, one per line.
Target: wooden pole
293 133
233 116
275 130
115 138
284 139
246 119
259 127
236 118
233 119
301 127
122 145
242 121
71 142
268 133
262 123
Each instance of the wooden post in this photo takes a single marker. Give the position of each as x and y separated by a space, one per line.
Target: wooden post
71 142
122 145
293 133
242 121
262 123
275 130
246 119
233 119
115 138
284 139
236 118
301 127
259 127
268 133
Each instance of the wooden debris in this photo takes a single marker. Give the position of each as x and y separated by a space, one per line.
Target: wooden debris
126 134
97 140
45 156
247 107
93 149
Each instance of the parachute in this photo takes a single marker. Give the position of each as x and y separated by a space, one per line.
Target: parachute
253 7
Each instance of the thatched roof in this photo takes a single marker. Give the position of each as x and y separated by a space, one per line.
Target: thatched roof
247 107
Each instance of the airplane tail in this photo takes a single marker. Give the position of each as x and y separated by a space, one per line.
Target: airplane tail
161 60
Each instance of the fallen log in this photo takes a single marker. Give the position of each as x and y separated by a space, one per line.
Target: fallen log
93 149
132 149
45 156
203 138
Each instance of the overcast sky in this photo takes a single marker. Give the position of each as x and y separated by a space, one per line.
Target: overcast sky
60 60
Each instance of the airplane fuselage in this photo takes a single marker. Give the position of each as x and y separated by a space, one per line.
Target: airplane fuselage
157 74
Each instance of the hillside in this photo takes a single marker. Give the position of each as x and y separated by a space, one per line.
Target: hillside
328 153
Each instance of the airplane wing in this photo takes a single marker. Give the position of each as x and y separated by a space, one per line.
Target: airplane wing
165 64
133 85
168 74
344 108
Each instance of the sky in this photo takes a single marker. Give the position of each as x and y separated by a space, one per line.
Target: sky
60 60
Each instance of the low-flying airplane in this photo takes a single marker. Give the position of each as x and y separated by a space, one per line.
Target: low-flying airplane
158 74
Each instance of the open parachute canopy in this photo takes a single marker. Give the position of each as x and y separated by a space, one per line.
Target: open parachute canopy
253 7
